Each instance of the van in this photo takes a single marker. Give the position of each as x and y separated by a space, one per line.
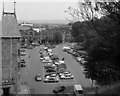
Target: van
78 90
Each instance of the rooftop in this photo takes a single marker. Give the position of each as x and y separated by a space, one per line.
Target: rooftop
9 26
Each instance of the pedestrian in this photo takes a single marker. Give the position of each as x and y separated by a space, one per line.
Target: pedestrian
29 56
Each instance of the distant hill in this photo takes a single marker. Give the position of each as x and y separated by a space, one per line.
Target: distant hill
45 21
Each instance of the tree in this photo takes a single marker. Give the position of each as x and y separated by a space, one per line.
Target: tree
57 37
85 12
104 55
103 51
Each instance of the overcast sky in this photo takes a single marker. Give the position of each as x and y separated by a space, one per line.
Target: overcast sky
39 9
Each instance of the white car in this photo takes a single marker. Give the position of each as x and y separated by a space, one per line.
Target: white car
61 62
47 58
38 77
49 50
45 48
51 79
57 63
66 72
83 62
23 53
46 61
78 59
41 58
69 74
66 76
50 54
66 48
49 65
52 76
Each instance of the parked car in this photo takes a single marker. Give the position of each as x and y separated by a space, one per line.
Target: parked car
35 44
22 53
22 60
66 76
22 50
50 70
51 79
61 62
22 65
59 89
66 48
46 61
83 62
70 51
38 77
41 58
45 48
76 54
9 81
49 50
46 66
78 59
24 46
40 51
53 75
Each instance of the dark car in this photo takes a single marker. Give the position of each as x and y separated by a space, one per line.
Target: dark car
76 54
59 89
22 60
50 70
23 65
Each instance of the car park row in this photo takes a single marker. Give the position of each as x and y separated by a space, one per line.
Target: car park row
79 55
54 68
22 60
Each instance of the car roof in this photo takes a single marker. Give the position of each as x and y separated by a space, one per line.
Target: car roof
78 87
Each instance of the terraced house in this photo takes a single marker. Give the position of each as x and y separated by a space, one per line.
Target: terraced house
10 45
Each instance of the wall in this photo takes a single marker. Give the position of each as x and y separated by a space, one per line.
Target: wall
6 56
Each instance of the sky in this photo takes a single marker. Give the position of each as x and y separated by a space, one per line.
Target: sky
39 9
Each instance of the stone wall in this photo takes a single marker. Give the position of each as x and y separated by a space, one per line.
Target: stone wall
10 59
6 56
14 57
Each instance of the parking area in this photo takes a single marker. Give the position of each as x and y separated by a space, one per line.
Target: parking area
35 66
54 69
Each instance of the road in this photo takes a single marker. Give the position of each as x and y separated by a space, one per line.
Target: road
74 67
34 66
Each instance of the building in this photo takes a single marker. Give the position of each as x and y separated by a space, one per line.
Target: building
10 45
28 35
26 24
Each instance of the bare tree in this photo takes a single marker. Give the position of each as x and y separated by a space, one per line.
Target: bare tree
86 11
